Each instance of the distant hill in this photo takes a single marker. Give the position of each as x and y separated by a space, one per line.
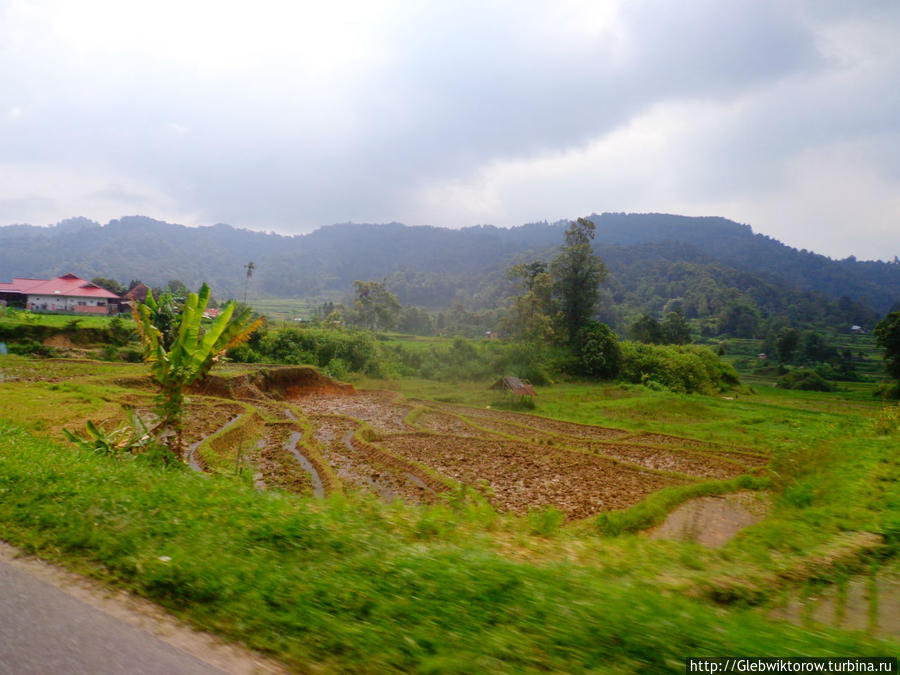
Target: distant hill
654 259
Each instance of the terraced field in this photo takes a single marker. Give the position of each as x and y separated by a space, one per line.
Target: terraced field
292 428
302 432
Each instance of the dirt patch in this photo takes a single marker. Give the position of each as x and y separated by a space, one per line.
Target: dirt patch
285 382
276 466
443 423
377 408
503 426
541 423
360 467
713 520
203 419
60 342
661 459
521 476
746 456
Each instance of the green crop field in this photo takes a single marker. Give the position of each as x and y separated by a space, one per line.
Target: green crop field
12 317
287 309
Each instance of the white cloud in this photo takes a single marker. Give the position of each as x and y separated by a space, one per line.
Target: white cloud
46 191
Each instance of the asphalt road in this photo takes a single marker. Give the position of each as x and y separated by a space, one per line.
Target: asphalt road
45 630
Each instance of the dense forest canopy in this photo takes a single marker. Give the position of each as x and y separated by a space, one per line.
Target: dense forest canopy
707 268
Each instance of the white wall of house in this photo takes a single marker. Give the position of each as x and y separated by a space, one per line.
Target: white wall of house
67 303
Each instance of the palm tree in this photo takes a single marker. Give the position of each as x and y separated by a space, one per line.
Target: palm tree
250 266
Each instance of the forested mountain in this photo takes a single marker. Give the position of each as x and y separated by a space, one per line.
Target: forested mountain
705 266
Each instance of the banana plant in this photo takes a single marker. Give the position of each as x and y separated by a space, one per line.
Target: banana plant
178 363
133 438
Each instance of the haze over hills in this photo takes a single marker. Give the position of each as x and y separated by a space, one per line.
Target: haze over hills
652 258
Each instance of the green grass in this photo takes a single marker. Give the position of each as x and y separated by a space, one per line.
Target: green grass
61 320
357 586
286 309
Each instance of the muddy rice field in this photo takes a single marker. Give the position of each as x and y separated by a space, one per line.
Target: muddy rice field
316 437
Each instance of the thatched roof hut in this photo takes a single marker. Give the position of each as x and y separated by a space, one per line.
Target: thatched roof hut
514 386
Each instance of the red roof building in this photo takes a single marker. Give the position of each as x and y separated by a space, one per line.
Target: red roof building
139 292
68 293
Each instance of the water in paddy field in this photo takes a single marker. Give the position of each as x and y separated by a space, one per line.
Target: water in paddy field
862 602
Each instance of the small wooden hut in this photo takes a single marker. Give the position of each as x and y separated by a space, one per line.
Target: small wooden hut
515 387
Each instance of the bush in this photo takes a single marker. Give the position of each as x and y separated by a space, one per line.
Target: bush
337 368
131 355
108 353
119 333
680 368
315 346
599 354
805 380
32 348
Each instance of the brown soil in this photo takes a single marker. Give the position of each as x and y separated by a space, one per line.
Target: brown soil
204 419
360 441
713 521
60 342
275 465
281 382
442 423
543 423
376 408
746 456
523 476
357 465
500 426
669 460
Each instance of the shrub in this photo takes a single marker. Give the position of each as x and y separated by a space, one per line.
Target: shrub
315 346
681 368
337 368
30 347
109 353
118 332
806 380
131 355
599 354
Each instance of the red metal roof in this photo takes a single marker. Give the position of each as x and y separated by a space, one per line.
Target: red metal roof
68 285
20 284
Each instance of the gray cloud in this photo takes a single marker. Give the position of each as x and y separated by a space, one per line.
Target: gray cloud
382 117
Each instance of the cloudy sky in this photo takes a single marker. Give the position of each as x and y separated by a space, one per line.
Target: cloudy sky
279 115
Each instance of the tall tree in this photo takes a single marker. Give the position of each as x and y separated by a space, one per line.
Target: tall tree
646 329
675 329
786 344
375 306
887 336
576 273
530 314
